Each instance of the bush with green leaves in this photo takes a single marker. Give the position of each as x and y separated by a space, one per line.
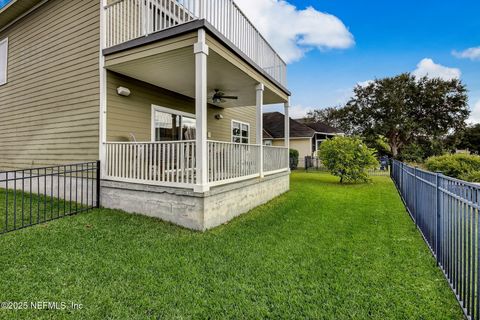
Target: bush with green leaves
473 176
462 166
348 158
293 156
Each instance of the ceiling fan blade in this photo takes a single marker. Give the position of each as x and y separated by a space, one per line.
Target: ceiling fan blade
230 97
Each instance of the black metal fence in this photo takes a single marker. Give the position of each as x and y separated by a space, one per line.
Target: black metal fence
315 164
446 211
37 195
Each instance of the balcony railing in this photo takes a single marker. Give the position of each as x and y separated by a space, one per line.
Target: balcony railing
130 19
229 162
164 163
173 163
275 159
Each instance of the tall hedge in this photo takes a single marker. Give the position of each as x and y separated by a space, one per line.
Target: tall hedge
460 166
293 156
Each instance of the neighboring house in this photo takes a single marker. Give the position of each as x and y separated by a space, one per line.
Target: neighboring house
322 130
305 137
167 94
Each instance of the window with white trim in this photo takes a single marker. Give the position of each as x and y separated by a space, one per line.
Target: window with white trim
240 132
3 60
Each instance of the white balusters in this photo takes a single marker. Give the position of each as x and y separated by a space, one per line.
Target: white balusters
168 163
229 162
275 159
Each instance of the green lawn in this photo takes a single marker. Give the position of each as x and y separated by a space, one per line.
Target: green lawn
323 251
26 209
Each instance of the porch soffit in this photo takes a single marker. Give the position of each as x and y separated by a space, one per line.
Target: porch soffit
15 9
172 66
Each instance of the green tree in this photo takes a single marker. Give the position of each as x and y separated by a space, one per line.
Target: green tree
333 116
348 158
404 109
470 139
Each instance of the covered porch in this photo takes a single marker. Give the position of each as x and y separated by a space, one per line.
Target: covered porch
175 163
208 141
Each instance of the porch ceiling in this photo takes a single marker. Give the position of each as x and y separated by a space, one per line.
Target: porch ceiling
175 70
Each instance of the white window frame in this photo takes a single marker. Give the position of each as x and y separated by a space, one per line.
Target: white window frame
316 143
5 41
231 130
166 110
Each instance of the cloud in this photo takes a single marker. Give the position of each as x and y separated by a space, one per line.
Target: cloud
475 115
365 83
293 32
470 53
427 67
298 112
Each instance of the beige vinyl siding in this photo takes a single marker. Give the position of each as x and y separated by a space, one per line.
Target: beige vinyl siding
303 146
132 115
50 105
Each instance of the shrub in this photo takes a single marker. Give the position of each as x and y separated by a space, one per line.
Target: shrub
473 176
459 166
347 158
293 155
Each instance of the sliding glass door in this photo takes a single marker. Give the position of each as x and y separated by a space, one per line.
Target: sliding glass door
172 125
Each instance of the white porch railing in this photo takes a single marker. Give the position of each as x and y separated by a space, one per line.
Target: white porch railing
130 19
229 162
161 163
173 163
275 159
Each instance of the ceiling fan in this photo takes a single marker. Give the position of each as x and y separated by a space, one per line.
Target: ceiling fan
220 97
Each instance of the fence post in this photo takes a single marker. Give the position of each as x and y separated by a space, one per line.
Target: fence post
390 162
439 216
415 196
98 184
401 179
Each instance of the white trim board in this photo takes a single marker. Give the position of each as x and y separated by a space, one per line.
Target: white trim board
4 44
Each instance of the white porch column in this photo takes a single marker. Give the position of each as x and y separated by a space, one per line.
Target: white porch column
201 53
286 112
260 88
102 139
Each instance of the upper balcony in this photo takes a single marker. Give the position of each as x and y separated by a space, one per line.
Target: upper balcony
127 20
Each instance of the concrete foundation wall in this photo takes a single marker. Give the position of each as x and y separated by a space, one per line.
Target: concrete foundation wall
198 211
226 203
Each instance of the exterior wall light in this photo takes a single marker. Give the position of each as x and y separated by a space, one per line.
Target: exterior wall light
122 91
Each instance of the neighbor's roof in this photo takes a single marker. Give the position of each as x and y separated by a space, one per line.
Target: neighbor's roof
274 124
266 134
319 126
